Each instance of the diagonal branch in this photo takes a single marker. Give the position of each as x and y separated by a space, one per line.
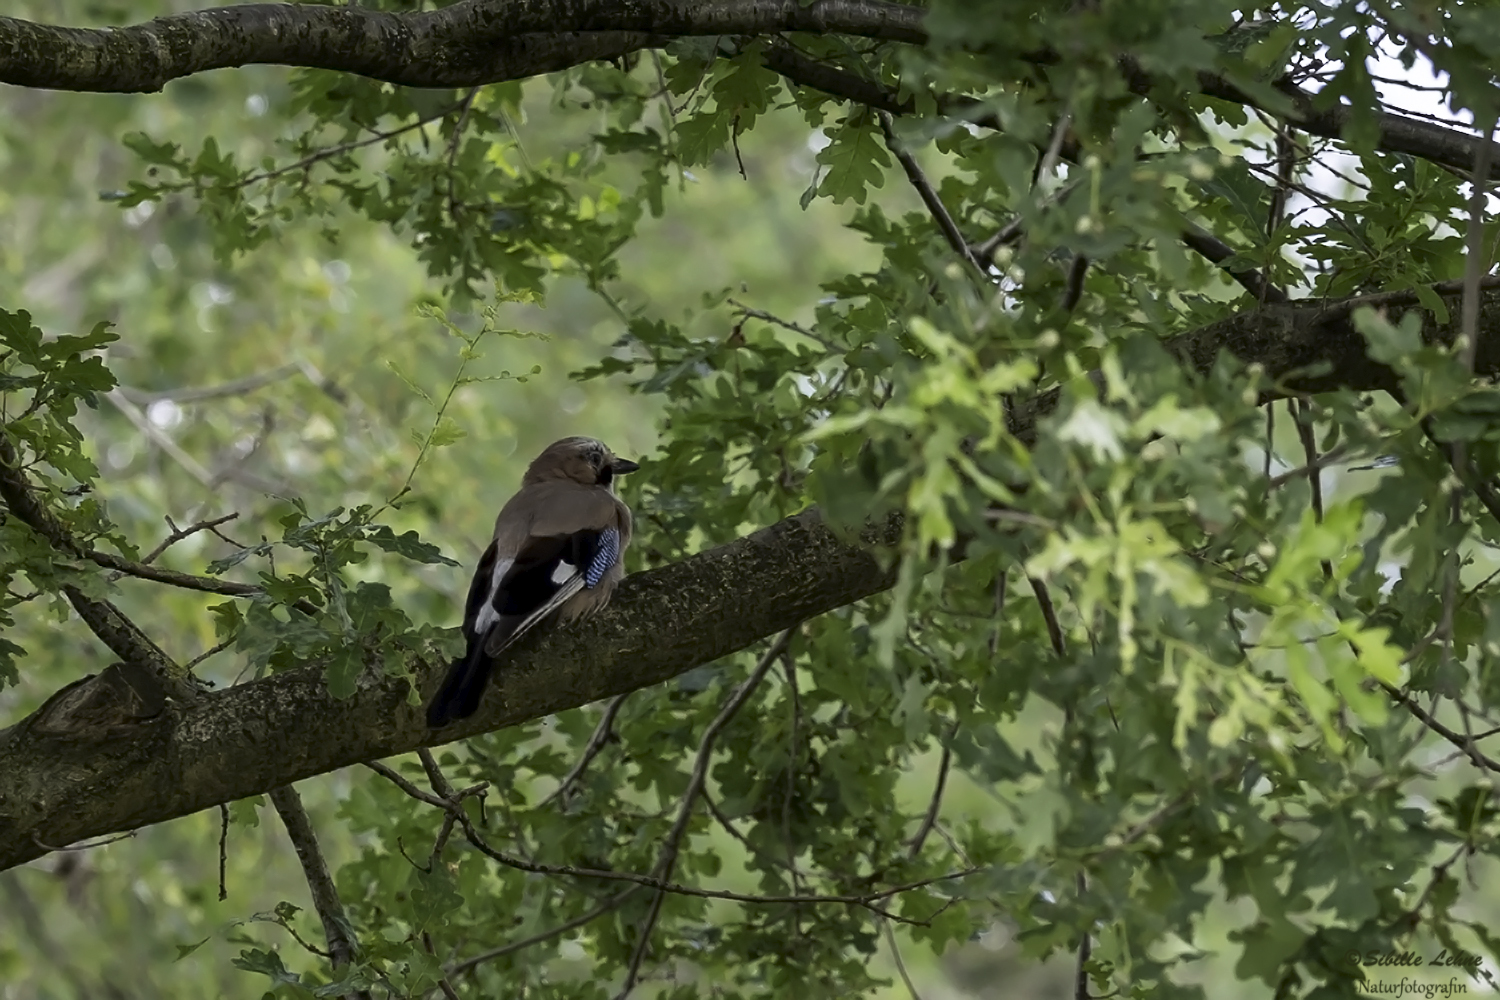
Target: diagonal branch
667 862
342 947
149 665
925 191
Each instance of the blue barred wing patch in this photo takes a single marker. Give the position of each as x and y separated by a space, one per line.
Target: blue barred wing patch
606 551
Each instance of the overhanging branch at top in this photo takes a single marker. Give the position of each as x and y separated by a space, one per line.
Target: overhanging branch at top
478 42
465 45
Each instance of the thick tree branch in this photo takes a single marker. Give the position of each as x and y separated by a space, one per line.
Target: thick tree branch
465 45
477 42
60 784
64 786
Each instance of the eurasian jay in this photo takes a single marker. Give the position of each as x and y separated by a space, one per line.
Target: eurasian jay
559 546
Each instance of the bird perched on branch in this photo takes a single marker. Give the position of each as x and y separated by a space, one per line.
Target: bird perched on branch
558 546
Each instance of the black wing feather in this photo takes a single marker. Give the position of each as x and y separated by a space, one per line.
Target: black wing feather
528 585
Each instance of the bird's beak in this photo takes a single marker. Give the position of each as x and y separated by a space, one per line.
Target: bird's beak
623 465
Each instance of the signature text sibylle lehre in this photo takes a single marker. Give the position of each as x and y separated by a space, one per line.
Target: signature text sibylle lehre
1466 960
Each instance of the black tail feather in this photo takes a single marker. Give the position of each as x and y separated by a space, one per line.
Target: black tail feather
462 689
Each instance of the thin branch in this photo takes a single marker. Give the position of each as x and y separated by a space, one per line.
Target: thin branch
342 946
21 499
597 742
1061 138
930 819
474 837
667 860
178 534
866 900
1085 948
237 387
164 441
1073 285
785 324
453 146
890 940
1302 419
1476 266
390 775
223 849
89 846
329 152
1218 252
793 757
610 904
734 831
449 993
1333 456
1049 615
116 631
924 189
1458 739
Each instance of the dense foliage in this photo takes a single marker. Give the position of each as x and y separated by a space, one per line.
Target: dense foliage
1148 349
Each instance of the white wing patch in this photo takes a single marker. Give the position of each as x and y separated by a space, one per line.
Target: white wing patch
563 572
487 615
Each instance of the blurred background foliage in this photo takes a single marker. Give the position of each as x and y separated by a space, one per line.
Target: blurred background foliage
292 302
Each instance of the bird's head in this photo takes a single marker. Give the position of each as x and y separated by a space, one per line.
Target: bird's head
583 460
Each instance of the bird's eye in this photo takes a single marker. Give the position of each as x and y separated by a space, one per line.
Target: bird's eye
596 458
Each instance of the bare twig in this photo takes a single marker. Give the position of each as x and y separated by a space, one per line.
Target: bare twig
190 464
178 534
217 647
453 145
1001 584
119 633
734 831
1302 419
1331 457
449 993
785 324
1048 163
1216 251
789 664
866 900
1271 440
1073 286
